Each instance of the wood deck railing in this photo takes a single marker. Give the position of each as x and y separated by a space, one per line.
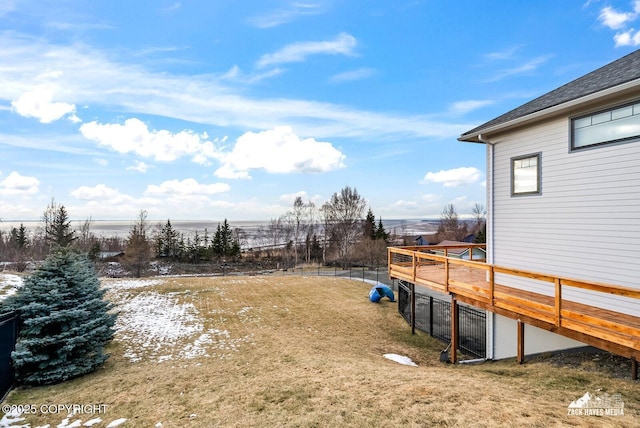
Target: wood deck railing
496 289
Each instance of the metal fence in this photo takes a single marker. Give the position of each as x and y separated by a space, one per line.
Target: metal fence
433 316
8 337
358 273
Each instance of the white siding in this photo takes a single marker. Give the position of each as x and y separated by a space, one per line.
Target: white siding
586 222
536 340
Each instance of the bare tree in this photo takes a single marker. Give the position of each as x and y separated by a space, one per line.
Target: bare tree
138 251
310 228
480 229
343 215
87 240
451 228
277 235
478 213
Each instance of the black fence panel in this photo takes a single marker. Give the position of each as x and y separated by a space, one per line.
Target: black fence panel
472 335
441 326
404 301
8 337
433 316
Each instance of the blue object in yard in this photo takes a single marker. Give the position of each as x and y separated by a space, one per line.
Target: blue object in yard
380 291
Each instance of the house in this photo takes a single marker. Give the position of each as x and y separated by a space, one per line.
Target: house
563 185
459 250
427 239
563 220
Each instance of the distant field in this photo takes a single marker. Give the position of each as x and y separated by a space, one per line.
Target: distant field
302 351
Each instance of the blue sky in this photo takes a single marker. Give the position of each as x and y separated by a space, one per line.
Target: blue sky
205 110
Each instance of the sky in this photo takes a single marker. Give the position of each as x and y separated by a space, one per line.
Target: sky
211 110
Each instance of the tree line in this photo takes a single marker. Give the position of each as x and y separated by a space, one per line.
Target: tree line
337 232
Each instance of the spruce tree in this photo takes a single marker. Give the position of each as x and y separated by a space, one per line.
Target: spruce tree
64 321
57 227
369 225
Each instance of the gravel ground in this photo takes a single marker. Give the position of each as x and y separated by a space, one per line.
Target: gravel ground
589 360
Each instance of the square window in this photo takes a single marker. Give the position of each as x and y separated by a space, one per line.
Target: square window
525 175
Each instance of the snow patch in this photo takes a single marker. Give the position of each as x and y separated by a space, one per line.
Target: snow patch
400 359
127 284
9 284
12 418
154 326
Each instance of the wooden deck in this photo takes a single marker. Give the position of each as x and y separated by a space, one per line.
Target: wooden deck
474 283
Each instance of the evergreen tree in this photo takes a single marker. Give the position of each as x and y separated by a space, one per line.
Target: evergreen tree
227 238
380 232
57 227
167 242
18 237
94 252
64 321
481 235
369 226
217 245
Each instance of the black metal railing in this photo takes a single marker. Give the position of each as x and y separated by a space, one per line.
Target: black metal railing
8 337
433 316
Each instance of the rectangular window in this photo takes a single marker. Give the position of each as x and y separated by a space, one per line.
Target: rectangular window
605 127
525 175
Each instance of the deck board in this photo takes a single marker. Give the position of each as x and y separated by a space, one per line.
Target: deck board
470 282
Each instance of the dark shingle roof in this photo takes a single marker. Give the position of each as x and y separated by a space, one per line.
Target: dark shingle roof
613 74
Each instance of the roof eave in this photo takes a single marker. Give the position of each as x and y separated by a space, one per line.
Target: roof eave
476 136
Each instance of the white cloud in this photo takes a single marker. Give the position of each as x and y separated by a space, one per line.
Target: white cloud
289 198
431 197
502 55
406 205
135 137
285 15
139 166
99 191
454 177
104 201
90 77
531 65
615 20
16 184
279 151
171 8
627 38
343 44
187 186
39 104
359 74
462 107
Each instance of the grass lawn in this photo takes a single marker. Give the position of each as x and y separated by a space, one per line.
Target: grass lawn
302 351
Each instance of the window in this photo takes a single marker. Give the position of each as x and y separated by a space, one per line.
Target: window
605 127
525 175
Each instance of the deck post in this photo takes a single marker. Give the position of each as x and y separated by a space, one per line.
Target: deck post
492 286
634 368
454 328
413 308
446 272
558 302
520 352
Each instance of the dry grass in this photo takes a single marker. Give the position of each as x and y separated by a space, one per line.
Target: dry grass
309 352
